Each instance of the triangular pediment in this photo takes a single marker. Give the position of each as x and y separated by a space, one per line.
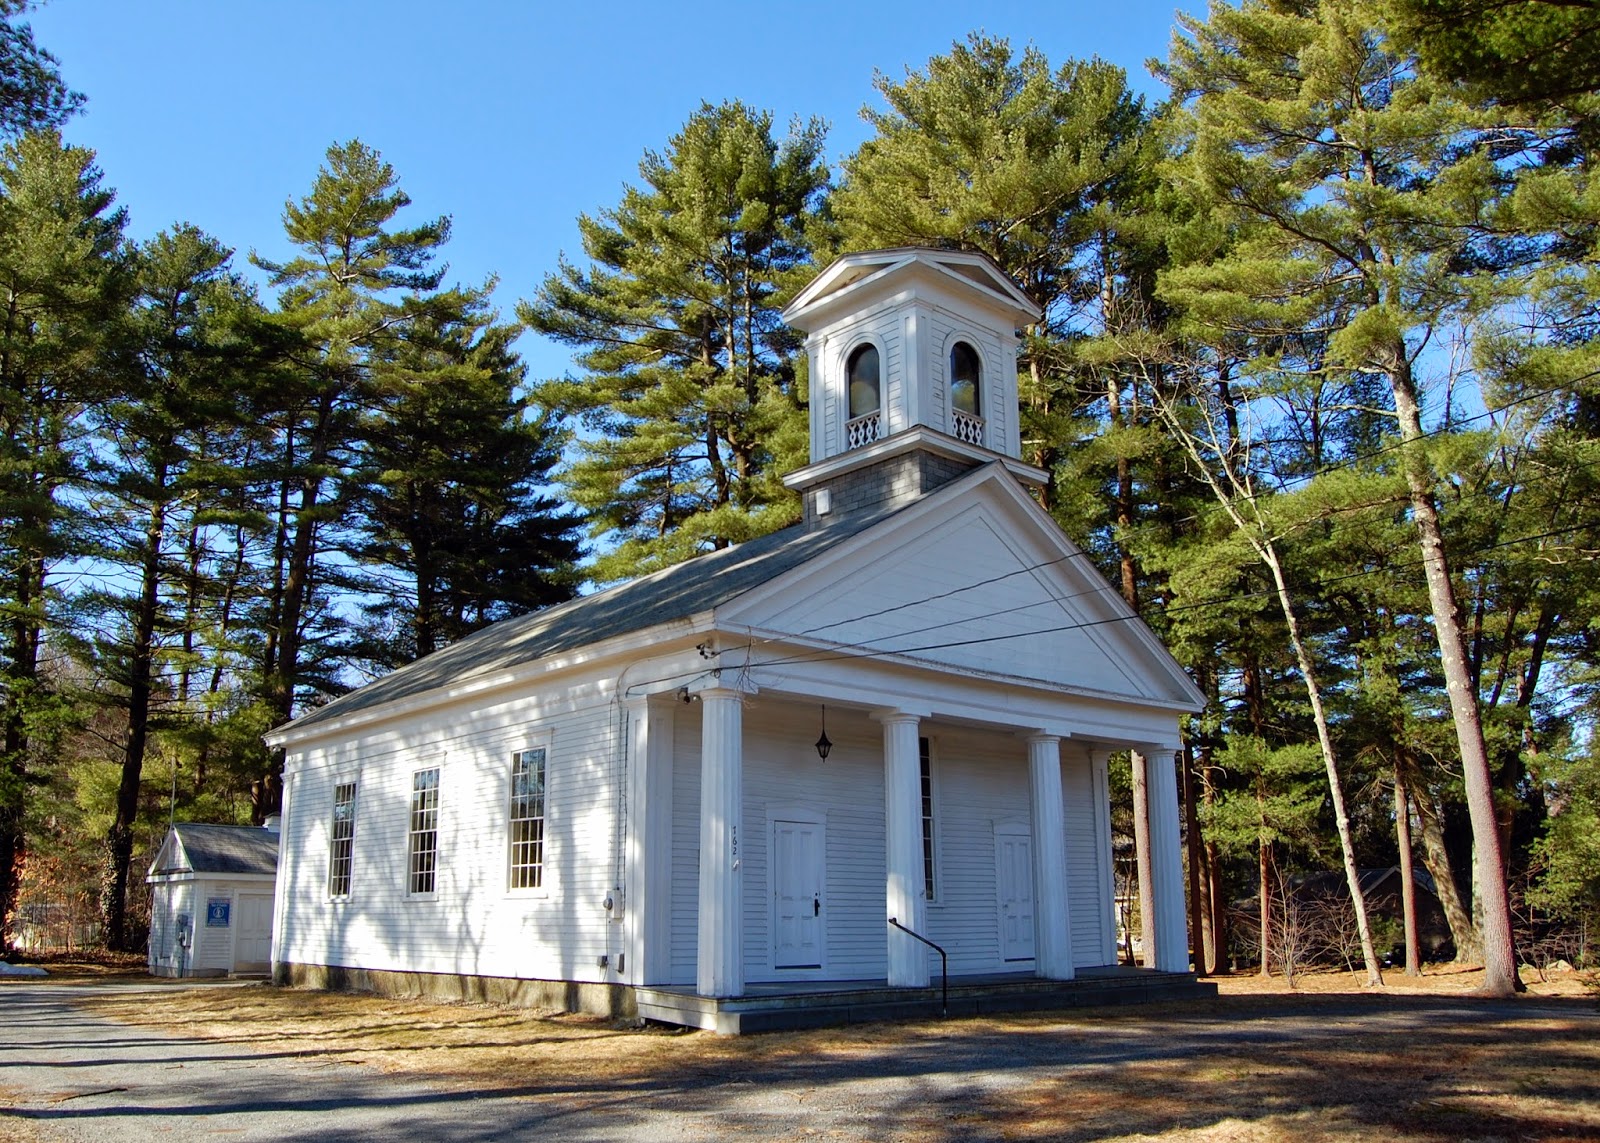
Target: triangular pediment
977 579
853 276
171 857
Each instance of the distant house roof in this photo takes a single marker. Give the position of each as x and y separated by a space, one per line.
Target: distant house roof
1372 880
202 848
674 593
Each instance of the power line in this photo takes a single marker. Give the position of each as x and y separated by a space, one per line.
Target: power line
870 652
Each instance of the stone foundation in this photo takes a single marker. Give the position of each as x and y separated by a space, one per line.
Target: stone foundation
592 999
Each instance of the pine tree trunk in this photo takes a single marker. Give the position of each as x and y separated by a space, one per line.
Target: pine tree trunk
1408 887
1341 818
119 845
1264 898
1499 960
1436 858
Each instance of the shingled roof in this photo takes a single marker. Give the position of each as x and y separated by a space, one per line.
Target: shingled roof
674 593
204 848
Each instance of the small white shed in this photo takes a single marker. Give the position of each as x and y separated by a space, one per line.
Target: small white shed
211 900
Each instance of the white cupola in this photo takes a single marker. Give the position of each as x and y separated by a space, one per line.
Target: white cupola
913 360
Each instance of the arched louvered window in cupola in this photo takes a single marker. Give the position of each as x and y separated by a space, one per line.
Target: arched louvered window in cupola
966 394
865 379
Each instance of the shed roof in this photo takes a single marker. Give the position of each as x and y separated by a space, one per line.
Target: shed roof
206 848
674 593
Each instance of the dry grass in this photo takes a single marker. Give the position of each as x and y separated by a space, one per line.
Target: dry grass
83 964
1352 1066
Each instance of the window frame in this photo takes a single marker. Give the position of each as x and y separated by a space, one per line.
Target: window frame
347 844
957 341
855 350
928 812
415 833
542 866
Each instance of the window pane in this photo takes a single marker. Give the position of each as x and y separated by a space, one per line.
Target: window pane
341 844
925 768
423 837
864 388
966 379
526 820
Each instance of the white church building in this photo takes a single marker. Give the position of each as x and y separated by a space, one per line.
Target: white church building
780 769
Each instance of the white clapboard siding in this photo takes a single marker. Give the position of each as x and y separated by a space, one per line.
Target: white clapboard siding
782 770
472 923
979 782
1089 911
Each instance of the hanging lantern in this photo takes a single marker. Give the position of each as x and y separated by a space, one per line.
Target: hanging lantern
823 745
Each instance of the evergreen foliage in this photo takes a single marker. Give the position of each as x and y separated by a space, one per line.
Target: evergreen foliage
691 405
1346 278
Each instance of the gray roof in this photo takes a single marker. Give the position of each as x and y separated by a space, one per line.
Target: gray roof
228 848
678 592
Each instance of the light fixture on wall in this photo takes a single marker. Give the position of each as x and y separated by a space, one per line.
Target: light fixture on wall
823 745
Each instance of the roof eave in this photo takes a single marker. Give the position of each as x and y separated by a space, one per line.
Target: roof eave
632 644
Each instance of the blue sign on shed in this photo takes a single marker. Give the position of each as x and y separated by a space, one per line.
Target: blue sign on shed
217 912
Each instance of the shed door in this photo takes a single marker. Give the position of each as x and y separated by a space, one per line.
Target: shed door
255 931
1013 865
797 880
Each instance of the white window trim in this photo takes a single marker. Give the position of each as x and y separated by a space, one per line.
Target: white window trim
438 832
986 399
353 780
540 741
938 899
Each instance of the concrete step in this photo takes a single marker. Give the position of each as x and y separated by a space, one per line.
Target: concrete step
767 1013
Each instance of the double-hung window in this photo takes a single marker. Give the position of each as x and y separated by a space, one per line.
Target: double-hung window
925 774
422 839
526 819
342 839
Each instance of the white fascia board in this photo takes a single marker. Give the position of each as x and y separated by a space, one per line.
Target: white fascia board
909 440
477 687
821 289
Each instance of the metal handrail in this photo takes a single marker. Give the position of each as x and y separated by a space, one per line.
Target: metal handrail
944 964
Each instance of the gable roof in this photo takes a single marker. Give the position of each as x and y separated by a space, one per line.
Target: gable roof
204 848
854 273
676 593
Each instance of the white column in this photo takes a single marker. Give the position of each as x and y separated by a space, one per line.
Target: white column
647 896
1166 863
1052 917
902 811
720 963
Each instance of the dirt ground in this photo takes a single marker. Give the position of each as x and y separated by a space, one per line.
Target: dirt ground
1330 1058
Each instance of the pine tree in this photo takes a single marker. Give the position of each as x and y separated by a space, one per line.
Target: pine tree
184 350
690 407
1360 189
1037 168
452 467
33 96
62 285
341 296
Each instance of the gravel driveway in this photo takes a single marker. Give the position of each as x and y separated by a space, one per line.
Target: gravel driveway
67 1075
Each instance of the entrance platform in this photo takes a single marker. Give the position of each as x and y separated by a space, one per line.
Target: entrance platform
781 1006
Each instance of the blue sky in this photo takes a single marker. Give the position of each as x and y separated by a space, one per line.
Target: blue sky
513 118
